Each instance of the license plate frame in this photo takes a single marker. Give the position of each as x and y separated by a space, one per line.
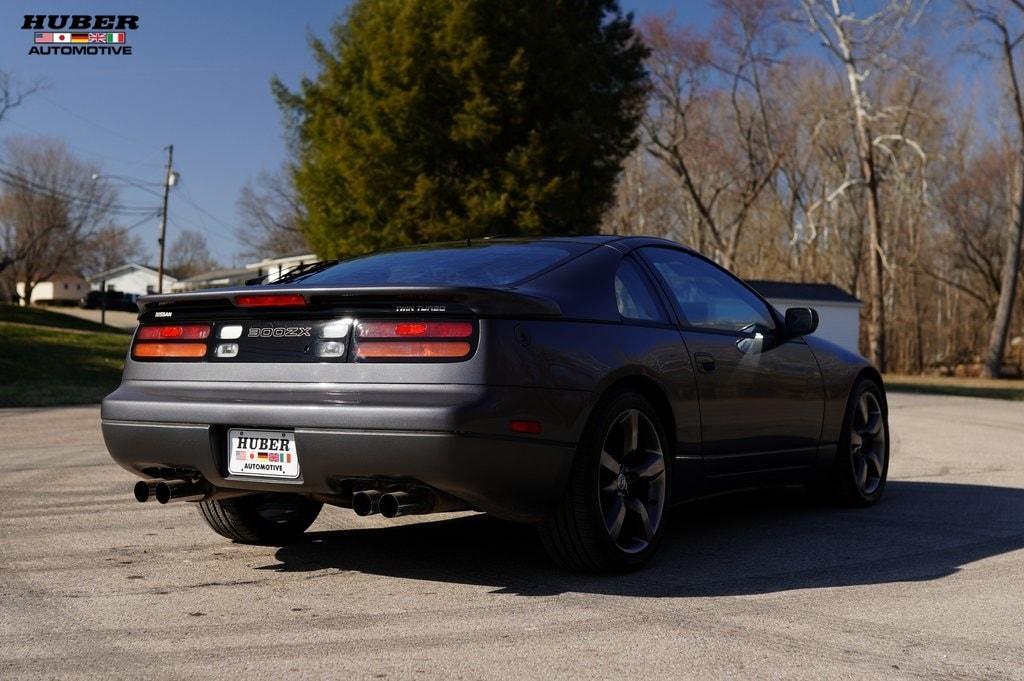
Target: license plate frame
263 453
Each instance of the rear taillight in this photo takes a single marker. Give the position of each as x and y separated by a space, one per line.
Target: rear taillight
414 340
421 349
147 350
415 329
173 341
179 332
271 300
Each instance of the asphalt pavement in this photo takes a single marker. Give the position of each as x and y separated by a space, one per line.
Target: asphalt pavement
928 584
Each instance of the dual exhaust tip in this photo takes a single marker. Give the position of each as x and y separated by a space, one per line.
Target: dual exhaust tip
166 491
393 504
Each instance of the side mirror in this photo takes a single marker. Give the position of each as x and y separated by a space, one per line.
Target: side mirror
801 321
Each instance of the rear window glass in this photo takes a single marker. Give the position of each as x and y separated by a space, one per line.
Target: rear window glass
475 265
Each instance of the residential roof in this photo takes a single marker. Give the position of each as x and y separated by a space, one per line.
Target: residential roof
219 274
788 290
99 276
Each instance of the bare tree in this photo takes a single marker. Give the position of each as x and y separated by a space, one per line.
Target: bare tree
1003 20
861 44
51 206
271 214
12 94
189 255
711 121
110 247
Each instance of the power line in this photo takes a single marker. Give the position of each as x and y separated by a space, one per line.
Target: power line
188 199
23 183
206 232
85 152
93 123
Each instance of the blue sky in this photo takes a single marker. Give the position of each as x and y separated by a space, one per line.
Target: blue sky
198 78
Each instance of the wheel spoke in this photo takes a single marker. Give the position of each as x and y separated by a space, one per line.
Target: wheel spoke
631 432
608 462
863 408
651 467
874 460
614 518
860 470
637 508
873 425
855 439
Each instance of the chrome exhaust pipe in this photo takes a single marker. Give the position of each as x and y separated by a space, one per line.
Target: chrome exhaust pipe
394 504
145 490
366 502
181 490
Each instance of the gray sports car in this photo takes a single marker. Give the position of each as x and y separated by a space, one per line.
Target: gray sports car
584 384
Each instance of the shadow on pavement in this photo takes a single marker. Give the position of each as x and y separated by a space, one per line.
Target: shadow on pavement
750 543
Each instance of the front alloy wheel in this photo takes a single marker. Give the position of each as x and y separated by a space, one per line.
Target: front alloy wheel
862 457
867 444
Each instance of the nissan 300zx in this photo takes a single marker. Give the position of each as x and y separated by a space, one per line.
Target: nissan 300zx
582 384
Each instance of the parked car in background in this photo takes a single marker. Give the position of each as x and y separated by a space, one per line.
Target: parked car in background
583 384
111 300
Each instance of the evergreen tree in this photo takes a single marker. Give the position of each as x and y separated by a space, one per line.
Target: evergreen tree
447 119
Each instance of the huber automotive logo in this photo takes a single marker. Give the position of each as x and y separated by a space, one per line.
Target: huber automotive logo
80 33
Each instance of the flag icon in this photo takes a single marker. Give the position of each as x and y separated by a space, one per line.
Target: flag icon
68 38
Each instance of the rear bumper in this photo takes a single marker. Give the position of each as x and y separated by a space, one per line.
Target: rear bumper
452 438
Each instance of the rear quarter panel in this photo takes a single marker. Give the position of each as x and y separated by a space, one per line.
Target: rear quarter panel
591 357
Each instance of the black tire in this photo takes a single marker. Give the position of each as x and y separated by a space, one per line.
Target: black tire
858 478
261 518
576 534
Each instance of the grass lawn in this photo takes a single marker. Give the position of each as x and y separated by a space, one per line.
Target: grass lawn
42 317
49 359
969 387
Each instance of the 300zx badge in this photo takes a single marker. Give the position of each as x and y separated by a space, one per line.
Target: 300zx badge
279 331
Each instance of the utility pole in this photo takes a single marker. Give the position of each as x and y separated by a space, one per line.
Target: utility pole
168 181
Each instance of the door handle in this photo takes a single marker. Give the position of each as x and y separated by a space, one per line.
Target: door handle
705 362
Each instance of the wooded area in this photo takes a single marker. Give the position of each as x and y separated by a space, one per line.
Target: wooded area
802 141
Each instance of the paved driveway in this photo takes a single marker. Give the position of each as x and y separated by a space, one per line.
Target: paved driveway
118 318
928 584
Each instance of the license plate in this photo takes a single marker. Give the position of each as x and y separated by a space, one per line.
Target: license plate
266 453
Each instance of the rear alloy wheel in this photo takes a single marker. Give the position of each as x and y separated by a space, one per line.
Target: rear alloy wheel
862 459
261 518
614 511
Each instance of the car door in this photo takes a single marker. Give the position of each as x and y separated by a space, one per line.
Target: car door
761 395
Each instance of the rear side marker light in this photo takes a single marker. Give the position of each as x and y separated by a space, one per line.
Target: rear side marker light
166 350
271 300
413 349
415 329
174 332
227 350
528 427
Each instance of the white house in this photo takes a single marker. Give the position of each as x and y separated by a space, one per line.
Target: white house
838 311
60 288
131 278
213 279
274 268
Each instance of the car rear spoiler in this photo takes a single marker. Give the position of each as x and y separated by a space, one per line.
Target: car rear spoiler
487 302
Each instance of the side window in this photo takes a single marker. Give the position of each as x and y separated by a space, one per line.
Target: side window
708 297
633 294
